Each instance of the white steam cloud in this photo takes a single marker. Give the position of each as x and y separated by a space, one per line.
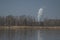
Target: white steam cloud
40 13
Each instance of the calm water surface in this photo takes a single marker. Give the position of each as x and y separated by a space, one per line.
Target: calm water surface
29 35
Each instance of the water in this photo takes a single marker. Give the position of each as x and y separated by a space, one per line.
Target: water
29 35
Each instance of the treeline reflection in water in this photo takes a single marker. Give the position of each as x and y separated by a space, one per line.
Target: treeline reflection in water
29 34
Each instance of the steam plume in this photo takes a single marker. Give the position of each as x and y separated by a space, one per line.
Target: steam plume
40 14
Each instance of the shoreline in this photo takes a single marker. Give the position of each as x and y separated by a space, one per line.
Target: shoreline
30 27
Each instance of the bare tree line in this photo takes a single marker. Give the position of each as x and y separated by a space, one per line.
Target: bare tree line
17 20
24 20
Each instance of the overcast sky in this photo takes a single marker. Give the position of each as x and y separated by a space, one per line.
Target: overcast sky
51 8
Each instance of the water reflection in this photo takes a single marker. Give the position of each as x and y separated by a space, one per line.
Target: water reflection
50 34
29 35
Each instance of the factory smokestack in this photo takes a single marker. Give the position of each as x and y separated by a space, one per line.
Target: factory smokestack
40 13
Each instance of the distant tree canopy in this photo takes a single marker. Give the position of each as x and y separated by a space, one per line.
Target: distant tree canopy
24 20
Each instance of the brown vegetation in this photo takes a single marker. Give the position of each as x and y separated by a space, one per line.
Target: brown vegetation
26 21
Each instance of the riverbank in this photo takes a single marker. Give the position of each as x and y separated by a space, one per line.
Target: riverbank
30 27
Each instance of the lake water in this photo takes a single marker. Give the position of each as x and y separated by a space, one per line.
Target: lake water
29 35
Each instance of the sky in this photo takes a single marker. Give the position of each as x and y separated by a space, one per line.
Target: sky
51 8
